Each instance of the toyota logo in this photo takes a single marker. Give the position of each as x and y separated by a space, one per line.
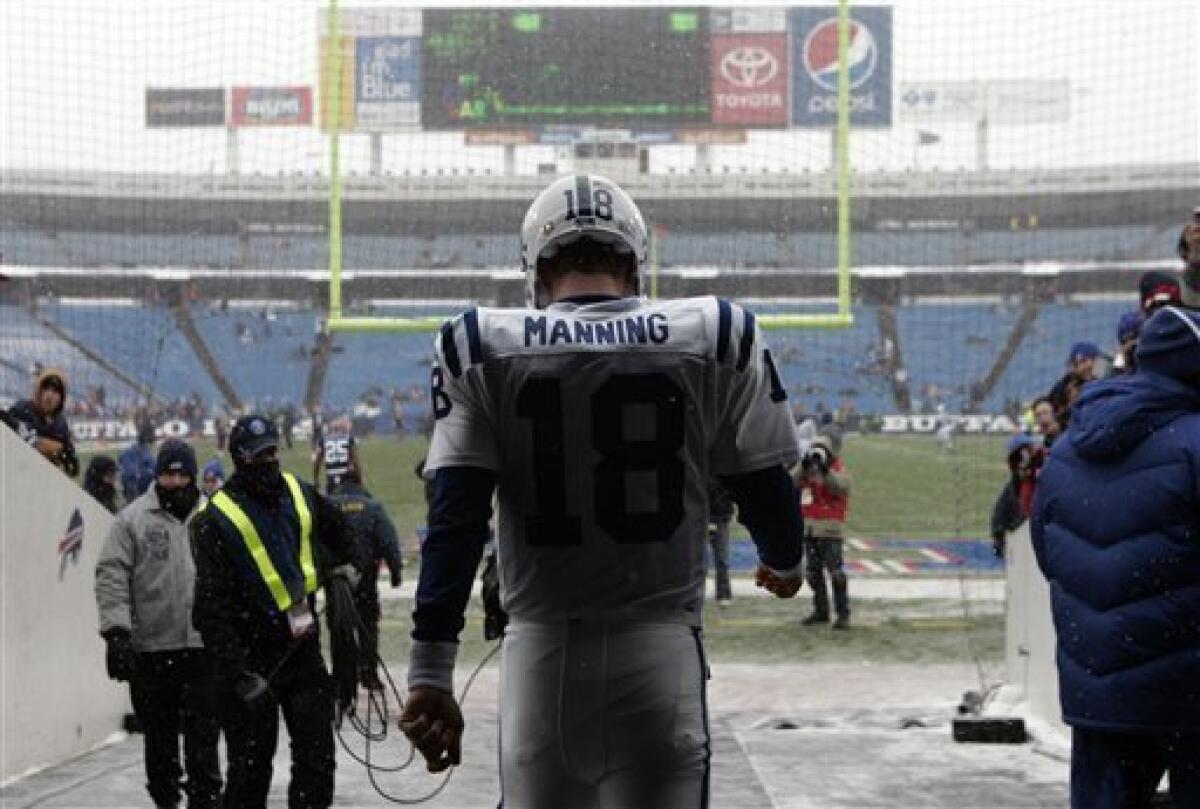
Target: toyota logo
749 67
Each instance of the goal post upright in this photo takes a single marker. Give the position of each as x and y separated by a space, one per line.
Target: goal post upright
841 318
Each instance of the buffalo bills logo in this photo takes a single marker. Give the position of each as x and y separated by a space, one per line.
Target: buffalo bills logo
71 544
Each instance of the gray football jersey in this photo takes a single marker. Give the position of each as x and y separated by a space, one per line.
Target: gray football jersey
603 423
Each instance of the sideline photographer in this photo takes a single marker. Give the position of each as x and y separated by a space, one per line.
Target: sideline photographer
1025 455
824 486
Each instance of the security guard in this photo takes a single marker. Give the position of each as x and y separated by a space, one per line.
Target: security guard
377 542
263 546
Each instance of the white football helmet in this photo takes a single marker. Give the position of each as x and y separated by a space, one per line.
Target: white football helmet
575 207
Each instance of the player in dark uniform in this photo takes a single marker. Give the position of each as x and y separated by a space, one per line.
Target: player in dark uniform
337 451
377 542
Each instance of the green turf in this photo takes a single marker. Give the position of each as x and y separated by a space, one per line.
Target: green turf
908 486
904 486
767 630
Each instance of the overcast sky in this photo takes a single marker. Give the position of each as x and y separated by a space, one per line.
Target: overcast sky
73 74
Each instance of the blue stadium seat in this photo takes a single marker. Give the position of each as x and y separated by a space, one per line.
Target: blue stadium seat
143 341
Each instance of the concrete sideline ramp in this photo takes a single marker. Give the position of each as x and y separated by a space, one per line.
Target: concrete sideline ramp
58 702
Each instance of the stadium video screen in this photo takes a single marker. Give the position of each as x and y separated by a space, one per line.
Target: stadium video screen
534 67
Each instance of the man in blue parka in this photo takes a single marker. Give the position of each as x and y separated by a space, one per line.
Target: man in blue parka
1116 530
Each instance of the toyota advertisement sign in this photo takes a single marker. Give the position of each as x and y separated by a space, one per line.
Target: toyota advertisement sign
815 66
270 106
750 80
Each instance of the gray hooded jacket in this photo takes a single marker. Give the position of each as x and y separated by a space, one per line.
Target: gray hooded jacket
145 578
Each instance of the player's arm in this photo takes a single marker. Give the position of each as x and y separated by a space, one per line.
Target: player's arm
458 531
769 508
755 446
462 468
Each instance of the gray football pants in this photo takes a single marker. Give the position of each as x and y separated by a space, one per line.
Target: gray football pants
602 716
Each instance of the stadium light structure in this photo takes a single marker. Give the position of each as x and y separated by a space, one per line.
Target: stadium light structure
339 322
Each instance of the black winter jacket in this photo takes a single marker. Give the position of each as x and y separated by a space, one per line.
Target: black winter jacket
237 628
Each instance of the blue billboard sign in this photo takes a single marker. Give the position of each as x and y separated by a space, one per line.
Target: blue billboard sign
815 66
387 82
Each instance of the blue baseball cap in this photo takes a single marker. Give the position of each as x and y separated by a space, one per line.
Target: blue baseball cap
1083 350
1129 326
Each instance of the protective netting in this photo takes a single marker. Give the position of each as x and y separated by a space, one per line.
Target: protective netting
1013 169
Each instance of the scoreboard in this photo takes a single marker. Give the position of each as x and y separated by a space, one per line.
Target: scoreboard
627 67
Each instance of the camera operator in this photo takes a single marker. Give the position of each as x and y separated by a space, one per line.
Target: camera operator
1025 457
824 486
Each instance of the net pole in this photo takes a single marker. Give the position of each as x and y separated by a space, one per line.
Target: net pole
843 158
333 67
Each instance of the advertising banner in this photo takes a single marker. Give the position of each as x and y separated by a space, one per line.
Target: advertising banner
185 107
387 80
815 66
270 106
750 79
1019 102
929 101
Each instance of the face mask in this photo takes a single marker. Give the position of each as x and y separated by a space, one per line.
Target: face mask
263 481
178 502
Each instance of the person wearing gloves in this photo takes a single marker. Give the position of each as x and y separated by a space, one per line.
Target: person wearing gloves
824 486
144 581
263 546
1025 457
377 543
1114 526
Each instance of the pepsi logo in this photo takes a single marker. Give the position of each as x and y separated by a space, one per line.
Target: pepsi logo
820 54
749 66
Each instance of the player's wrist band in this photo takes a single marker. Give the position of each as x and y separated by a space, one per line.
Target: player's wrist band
431 664
791 573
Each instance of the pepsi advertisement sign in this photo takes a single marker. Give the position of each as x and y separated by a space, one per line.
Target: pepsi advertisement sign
815 66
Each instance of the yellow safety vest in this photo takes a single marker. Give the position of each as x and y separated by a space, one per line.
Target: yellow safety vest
258 552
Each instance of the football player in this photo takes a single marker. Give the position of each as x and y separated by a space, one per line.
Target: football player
600 416
337 451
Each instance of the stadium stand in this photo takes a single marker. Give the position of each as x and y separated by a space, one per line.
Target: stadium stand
28 345
825 369
1041 358
363 364
481 250
264 351
950 345
143 340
